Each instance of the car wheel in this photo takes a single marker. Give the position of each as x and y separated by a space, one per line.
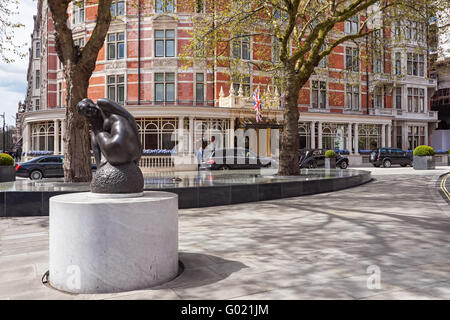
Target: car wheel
387 163
344 165
36 175
225 168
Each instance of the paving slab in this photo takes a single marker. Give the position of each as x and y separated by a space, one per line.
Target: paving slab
312 247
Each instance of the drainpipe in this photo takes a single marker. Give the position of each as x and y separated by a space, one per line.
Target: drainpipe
139 52
367 67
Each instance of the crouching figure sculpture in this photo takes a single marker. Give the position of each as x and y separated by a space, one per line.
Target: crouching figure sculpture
116 146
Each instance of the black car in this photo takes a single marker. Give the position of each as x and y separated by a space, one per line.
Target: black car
388 156
238 158
43 167
315 158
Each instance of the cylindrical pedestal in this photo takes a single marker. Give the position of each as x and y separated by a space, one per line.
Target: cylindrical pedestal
112 243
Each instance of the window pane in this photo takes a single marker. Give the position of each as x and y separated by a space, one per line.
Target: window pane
245 51
170 48
323 100
159 76
159 48
120 8
170 76
120 50
111 79
159 6
170 34
199 77
169 6
348 62
159 34
111 93
236 48
120 79
315 98
170 92
236 87
112 37
349 100
111 51
347 26
113 9
121 94
356 101
159 92
120 36
199 92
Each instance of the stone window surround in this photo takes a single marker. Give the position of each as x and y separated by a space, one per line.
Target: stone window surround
76 10
327 105
115 42
117 74
353 93
165 28
175 82
204 82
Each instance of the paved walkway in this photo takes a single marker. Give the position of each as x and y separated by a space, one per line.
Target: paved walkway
309 247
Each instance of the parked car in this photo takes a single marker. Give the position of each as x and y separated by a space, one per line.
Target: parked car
315 158
238 158
43 167
388 156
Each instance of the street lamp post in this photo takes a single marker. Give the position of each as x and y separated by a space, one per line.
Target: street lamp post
3 132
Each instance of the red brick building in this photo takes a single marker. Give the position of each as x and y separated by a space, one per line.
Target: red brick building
346 104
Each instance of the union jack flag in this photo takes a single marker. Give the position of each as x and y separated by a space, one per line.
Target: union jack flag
257 104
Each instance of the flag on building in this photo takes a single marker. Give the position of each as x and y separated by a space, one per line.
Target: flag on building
257 104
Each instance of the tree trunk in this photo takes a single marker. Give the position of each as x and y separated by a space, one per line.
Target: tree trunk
79 64
290 140
77 155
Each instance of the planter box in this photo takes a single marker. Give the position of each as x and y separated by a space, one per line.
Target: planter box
424 163
7 173
330 163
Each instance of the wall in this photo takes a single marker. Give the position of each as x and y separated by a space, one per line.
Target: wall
440 139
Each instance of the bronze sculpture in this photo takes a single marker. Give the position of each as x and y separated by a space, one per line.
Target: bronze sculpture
116 146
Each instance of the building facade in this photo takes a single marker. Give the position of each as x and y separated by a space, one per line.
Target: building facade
347 104
440 102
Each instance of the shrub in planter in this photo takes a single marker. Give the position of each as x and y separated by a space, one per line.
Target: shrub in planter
330 159
423 158
330 154
7 170
423 151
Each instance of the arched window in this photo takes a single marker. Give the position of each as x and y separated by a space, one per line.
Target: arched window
304 135
327 139
41 146
50 139
168 136
369 137
150 138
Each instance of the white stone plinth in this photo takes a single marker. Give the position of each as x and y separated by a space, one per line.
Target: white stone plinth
103 244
